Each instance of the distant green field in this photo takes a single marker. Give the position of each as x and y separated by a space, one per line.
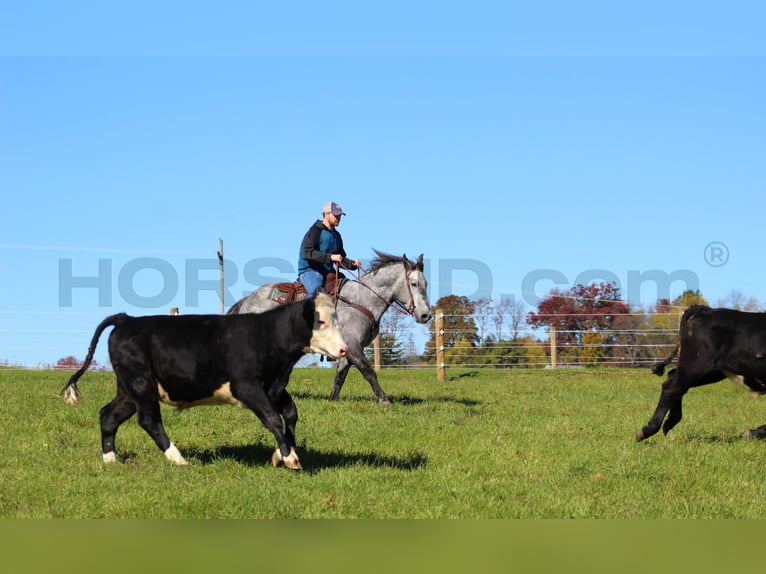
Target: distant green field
484 444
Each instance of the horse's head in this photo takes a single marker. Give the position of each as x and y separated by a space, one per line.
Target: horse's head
404 282
415 299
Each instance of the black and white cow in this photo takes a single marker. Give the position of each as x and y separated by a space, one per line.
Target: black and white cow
191 360
714 344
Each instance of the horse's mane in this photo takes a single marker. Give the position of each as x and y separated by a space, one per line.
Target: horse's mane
384 259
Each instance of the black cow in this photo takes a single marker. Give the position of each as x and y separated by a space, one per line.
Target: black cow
191 360
714 344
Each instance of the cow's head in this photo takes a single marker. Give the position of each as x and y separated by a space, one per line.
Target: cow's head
326 338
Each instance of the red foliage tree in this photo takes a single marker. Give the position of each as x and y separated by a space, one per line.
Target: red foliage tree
72 362
581 309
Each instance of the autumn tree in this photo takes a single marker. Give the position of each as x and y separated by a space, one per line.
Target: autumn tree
582 309
663 319
459 327
519 352
688 298
72 362
631 337
738 301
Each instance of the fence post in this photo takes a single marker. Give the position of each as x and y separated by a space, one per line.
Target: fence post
439 332
376 352
554 356
220 265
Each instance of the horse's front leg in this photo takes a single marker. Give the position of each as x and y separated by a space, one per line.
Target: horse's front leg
355 356
341 371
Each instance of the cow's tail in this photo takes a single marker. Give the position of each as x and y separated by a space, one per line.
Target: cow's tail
659 368
70 393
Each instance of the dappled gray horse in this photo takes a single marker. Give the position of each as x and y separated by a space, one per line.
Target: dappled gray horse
361 303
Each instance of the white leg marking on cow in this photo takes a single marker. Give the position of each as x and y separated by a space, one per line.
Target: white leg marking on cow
737 379
174 455
740 380
110 457
290 461
221 396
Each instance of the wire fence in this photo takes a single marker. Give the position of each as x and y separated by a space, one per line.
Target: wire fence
649 339
526 355
637 340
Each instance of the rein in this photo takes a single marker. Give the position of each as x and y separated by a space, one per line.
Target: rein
395 304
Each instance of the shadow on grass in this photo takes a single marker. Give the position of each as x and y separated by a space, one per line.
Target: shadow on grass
312 460
395 399
718 439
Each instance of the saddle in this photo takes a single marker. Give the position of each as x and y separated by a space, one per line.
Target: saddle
332 285
290 292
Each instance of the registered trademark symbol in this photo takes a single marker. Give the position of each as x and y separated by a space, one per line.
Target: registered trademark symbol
716 254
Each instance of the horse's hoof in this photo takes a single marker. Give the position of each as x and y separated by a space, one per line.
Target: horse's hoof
384 402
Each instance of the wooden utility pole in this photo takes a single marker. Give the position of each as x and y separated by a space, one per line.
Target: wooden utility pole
439 332
220 265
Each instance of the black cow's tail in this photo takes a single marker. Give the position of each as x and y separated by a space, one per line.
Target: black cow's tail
70 393
659 368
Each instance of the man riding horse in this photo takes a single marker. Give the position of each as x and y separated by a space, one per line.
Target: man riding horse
321 249
360 302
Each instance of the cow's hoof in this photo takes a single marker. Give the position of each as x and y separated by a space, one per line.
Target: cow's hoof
290 461
174 455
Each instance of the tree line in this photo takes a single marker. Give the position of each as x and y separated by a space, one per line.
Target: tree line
593 326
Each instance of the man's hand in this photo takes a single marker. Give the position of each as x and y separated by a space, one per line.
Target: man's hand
338 258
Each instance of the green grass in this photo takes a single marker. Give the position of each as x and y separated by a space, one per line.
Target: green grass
484 444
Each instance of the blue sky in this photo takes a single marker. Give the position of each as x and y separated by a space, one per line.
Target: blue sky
517 145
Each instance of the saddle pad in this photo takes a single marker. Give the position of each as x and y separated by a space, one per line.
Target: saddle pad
287 292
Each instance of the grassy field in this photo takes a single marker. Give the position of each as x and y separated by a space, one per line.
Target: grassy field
484 444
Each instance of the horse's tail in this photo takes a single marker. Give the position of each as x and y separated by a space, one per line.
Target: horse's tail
70 393
659 368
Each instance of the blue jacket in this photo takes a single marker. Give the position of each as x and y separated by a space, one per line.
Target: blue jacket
317 246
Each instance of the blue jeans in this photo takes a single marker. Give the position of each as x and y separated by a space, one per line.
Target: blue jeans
312 280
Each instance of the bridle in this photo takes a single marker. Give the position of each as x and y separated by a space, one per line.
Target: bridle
396 304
